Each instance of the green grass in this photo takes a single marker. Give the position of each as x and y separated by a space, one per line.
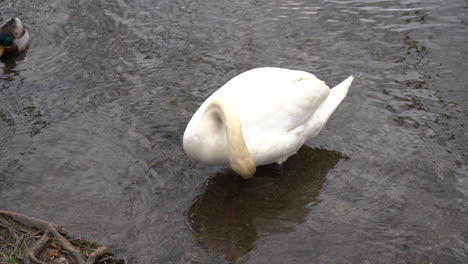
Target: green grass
8 255
85 247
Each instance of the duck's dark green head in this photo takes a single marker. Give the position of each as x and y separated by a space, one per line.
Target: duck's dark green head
6 40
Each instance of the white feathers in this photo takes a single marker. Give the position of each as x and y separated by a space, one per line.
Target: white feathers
279 110
23 42
21 39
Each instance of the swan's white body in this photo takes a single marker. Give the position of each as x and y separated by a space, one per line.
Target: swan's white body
279 110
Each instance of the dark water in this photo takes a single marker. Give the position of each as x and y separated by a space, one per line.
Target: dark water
91 122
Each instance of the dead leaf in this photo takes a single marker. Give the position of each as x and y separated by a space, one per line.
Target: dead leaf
53 253
53 245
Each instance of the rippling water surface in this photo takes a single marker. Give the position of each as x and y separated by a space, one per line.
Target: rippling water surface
92 117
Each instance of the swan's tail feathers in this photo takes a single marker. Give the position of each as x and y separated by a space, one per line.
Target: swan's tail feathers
338 93
328 107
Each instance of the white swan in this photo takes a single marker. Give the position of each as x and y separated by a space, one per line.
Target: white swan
261 116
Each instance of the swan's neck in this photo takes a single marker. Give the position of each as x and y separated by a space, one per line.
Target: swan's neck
223 114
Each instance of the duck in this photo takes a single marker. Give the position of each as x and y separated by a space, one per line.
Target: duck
14 38
261 116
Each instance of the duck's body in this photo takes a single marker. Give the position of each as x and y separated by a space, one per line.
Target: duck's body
278 111
14 38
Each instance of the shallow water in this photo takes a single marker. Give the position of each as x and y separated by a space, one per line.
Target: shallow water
91 121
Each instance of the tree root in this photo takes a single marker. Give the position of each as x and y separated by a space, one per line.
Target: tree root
36 249
53 234
96 254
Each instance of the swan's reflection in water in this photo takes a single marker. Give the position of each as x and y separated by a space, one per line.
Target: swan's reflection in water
230 214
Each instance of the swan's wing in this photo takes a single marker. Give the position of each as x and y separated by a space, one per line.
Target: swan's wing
276 114
272 99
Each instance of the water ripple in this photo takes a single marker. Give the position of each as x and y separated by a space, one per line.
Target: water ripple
92 117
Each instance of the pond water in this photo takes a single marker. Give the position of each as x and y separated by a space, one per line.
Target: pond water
92 118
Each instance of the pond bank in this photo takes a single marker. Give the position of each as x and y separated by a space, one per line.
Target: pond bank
30 240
